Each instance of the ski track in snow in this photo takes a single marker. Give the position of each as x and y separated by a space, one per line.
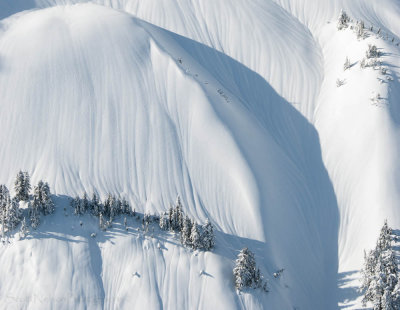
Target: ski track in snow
234 106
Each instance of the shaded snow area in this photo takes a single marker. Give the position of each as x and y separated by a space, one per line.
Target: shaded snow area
243 108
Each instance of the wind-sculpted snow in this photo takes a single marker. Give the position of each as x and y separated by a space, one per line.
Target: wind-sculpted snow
224 104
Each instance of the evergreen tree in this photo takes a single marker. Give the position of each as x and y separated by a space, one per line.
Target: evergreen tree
102 224
195 238
22 186
343 20
186 232
13 214
125 207
4 199
96 206
246 272
85 204
42 199
208 238
76 205
164 221
171 218
380 282
109 206
34 215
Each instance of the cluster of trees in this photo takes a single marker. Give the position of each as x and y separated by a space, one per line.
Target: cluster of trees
380 282
106 210
192 234
39 203
246 273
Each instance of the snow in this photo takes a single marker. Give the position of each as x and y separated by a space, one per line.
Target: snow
234 107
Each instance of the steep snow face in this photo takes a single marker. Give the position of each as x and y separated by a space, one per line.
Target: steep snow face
94 99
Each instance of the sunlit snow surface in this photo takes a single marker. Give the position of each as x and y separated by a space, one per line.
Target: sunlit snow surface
231 104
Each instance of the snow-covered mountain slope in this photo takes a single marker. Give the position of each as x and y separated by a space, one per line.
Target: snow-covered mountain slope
234 106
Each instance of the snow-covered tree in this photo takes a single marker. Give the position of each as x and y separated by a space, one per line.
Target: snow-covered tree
372 51
76 205
125 207
85 204
360 29
13 214
179 216
34 215
110 206
207 236
95 205
195 237
164 221
380 282
22 186
343 20
9 208
246 273
186 232
42 199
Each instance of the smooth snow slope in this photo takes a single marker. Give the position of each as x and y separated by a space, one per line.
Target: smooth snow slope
93 98
107 106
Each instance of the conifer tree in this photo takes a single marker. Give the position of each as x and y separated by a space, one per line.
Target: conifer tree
13 214
76 205
186 232
96 206
85 204
195 238
380 282
22 186
343 20
246 272
164 221
42 199
34 215
208 238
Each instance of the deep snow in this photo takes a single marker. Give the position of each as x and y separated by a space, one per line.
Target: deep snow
231 104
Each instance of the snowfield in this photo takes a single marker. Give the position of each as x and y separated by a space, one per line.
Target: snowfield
233 105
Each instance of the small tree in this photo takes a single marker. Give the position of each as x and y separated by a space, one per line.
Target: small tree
343 20
372 52
164 221
186 232
208 238
102 224
96 206
360 30
42 199
245 269
22 186
195 238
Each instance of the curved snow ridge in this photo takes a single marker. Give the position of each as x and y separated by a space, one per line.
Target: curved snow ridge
268 40
119 106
